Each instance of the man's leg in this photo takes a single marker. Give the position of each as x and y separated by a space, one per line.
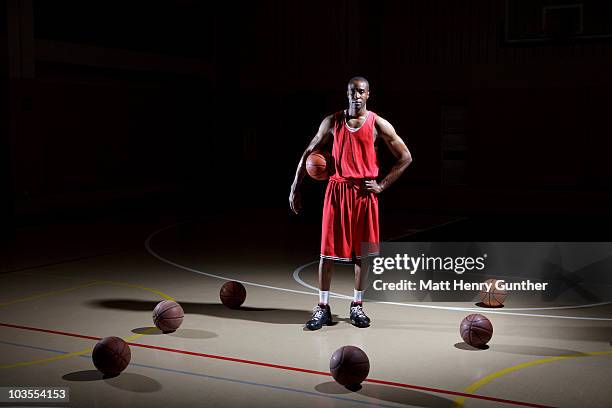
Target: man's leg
358 317
326 269
322 312
361 274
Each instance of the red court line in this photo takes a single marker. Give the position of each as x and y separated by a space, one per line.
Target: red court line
283 367
81 336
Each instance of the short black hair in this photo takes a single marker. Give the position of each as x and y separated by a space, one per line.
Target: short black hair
360 79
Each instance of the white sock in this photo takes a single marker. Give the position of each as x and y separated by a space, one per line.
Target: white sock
358 294
323 297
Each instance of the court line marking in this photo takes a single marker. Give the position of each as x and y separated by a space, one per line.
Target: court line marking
132 285
92 283
493 376
296 277
77 353
283 367
46 360
67 354
110 282
559 307
46 294
213 377
147 245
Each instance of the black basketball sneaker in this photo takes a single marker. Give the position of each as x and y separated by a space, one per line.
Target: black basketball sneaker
358 317
321 315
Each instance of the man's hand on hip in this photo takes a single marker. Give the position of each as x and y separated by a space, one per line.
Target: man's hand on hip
372 186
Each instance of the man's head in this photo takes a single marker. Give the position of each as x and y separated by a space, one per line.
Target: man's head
358 92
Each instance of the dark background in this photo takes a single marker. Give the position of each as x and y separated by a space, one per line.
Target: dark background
185 107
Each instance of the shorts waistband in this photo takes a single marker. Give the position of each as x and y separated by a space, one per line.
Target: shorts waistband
350 180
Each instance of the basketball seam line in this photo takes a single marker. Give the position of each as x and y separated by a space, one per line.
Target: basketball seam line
168 308
104 346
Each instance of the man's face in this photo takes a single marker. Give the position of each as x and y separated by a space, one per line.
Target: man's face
358 93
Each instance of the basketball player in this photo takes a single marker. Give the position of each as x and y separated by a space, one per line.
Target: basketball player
350 209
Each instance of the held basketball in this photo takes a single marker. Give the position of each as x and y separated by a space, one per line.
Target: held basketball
349 365
476 330
168 316
493 297
111 355
232 294
317 165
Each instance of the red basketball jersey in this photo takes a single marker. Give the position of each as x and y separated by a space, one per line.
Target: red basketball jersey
353 150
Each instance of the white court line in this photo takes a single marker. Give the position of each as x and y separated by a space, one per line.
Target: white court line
296 277
147 245
559 307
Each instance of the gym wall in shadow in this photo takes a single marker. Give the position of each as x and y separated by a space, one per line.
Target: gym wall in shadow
206 105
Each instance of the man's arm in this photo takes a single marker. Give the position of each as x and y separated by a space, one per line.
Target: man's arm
323 136
399 150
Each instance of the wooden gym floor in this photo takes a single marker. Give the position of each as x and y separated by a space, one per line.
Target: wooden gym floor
64 285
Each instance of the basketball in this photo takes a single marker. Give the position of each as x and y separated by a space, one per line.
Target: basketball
349 365
111 356
476 330
168 316
493 297
232 294
316 165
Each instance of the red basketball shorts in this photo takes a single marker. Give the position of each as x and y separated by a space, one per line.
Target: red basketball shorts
350 219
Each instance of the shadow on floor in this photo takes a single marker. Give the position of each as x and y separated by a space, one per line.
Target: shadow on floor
185 333
465 346
85 375
480 304
125 381
533 350
389 394
582 333
266 315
